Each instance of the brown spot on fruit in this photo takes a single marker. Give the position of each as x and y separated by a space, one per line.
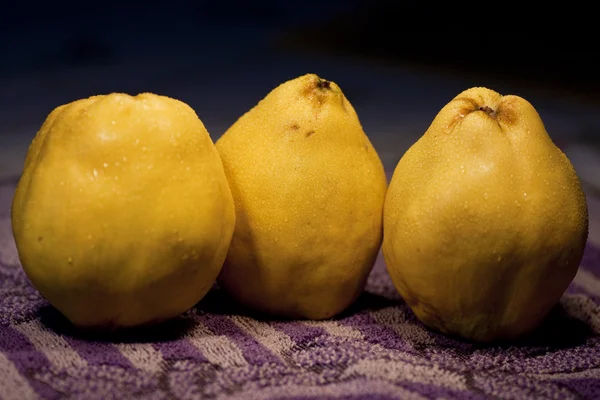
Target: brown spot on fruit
506 111
294 127
463 106
309 133
40 238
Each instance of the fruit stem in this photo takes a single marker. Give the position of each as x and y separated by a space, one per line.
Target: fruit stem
488 110
323 84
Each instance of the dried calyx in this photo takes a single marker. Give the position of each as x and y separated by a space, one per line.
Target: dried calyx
488 110
323 84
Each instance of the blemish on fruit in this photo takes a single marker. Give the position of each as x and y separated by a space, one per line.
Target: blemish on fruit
464 107
506 112
309 133
294 127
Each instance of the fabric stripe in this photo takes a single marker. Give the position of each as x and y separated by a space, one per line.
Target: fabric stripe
299 333
333 328
22 353
98 353
304 338
398 370
55 347
12 385
588 282
395 318
142 356
519 386
438 391
591 259
277 342
217 349
361 388
252 349
180 349
593 373
374 333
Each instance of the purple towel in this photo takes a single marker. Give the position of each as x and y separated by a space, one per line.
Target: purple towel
376 350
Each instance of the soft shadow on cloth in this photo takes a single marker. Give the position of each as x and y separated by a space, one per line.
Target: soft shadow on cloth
558 330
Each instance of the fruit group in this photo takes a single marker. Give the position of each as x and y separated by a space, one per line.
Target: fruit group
123 215
485 220
308 188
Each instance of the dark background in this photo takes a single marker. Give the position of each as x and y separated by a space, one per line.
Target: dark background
502 41
223 56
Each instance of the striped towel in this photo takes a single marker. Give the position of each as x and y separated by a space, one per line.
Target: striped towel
376 350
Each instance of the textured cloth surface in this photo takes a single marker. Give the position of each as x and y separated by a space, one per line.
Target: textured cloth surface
376 350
